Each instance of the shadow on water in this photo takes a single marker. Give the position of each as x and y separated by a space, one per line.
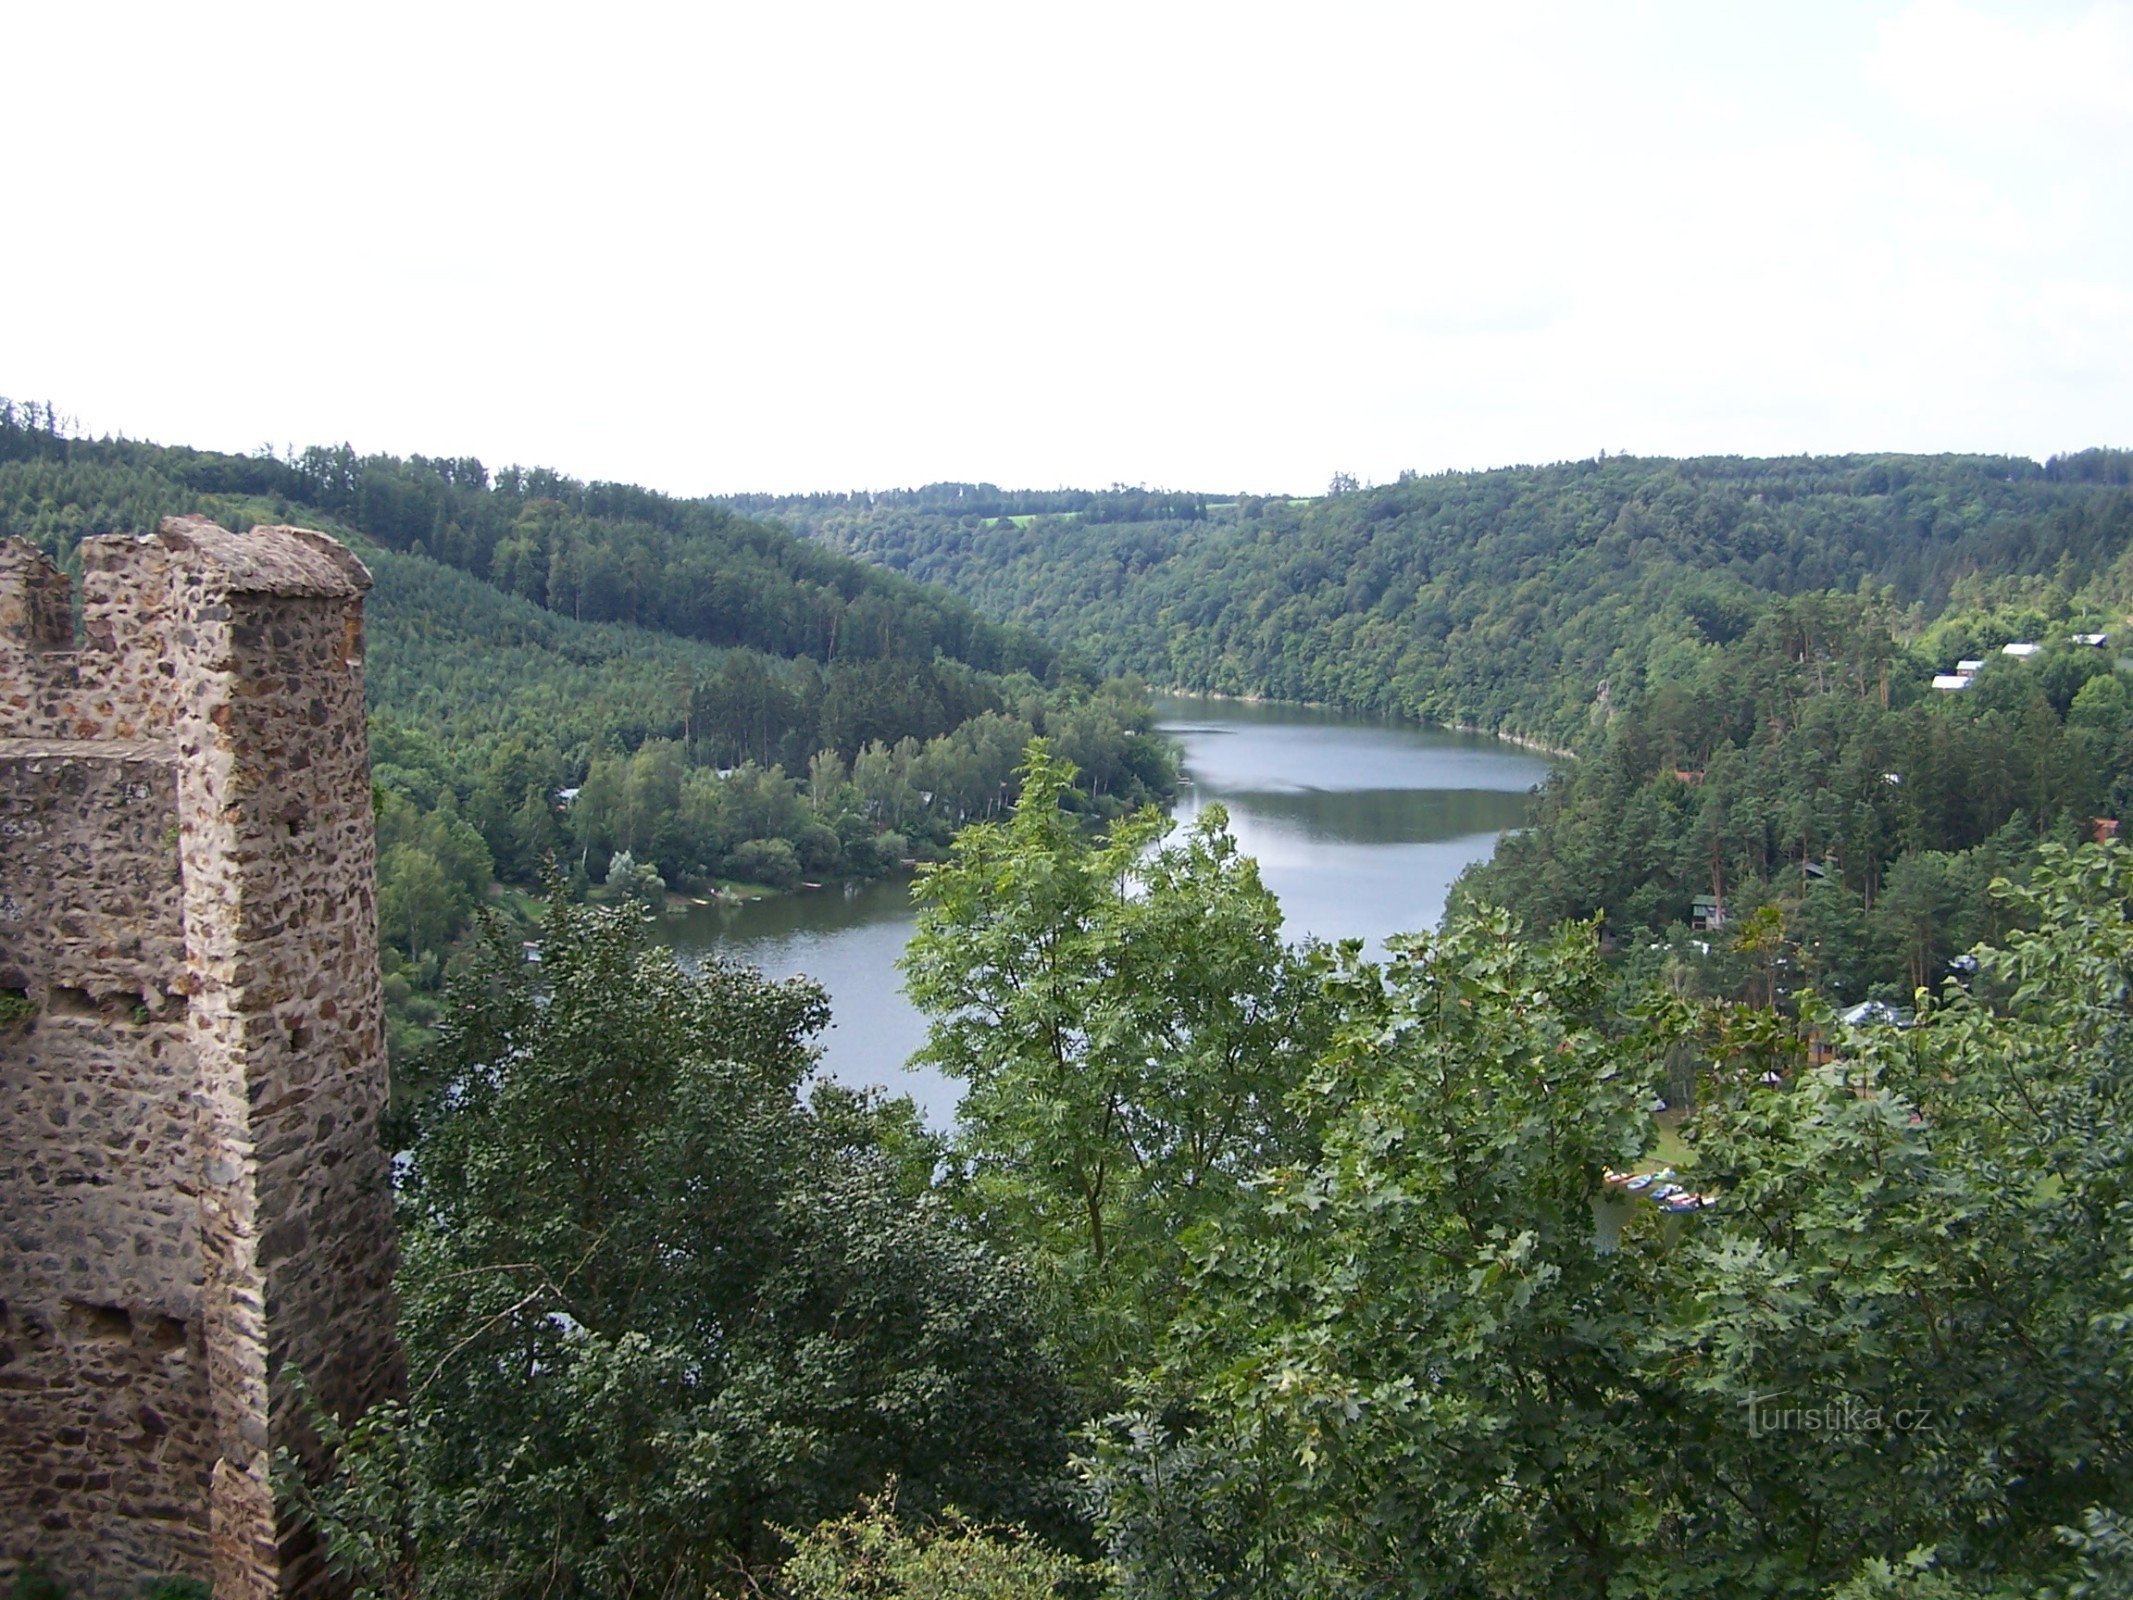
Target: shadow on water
1380 816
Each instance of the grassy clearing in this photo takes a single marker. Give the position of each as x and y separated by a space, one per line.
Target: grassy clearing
1669 1148
1028 517
522 905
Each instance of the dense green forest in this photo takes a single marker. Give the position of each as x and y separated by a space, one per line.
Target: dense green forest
1255 1271
1527 600
701 698
1806 783
1119 503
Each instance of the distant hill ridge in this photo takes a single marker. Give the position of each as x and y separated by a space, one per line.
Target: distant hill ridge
1522 599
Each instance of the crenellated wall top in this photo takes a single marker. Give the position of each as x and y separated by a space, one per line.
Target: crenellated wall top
142 602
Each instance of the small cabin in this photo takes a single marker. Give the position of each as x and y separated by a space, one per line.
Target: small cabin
1948 682
2020 650
1707 913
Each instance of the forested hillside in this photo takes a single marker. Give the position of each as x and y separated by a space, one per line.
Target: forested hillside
1525 600
1841 821
1261 1272
595 552
592 674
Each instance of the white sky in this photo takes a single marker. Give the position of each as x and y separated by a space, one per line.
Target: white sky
785 246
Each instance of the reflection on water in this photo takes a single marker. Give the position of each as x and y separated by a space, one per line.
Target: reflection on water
1373 816
1250 748
1359 827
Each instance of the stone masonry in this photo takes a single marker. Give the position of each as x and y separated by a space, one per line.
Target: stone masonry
193 1203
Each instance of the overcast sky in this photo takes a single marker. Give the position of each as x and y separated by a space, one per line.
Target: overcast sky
721 247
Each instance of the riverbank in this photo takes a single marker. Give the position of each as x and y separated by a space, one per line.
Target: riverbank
1539 747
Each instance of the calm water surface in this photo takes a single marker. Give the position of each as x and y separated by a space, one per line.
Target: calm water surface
847 939
1359 826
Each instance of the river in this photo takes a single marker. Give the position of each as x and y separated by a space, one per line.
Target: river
1359 826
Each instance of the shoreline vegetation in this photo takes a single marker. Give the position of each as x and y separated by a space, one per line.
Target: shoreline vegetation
733 893
680 903
1742 668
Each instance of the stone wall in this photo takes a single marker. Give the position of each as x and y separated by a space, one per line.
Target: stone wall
192 1198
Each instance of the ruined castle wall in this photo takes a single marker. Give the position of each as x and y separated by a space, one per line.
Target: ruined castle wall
186 900
38 676
104 1357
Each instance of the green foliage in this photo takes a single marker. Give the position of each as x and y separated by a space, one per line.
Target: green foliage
1129 1027
1935 1223
657 1306
1335 1233
2103 1547
1405 1367
681 754
596 552
1805 766
1331 1238
433 868
641 885
766 861
670 661
1891 1359
34 1581
872 1555
488 709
